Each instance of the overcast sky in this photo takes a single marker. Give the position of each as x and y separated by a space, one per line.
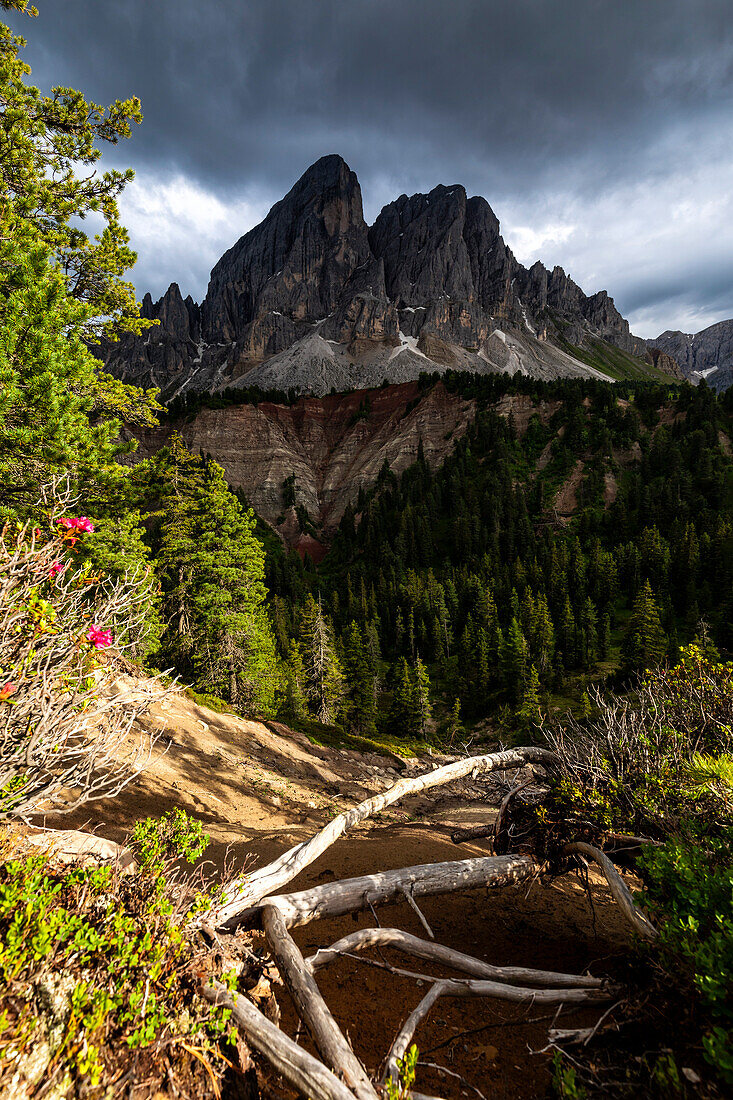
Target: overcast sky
600 131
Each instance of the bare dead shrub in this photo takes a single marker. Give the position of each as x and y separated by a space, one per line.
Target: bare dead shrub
67 718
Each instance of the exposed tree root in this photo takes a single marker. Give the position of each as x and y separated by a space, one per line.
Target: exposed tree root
619 889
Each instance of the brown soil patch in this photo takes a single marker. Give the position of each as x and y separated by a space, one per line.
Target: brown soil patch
490 1043
566 499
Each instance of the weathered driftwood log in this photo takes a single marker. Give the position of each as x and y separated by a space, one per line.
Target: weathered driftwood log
351 895
311 1007
446 956
245 892
309 1076
450 987
619 889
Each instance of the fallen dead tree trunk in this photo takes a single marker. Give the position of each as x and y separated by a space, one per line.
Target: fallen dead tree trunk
247 891
471 832
446 956
309 1076
311 1007
351 895
253 900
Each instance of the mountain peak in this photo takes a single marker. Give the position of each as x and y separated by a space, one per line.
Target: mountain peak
294 264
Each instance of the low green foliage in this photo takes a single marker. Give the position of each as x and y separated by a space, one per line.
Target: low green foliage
110 953
408 1071
660 765
657 764
565 1080
689 892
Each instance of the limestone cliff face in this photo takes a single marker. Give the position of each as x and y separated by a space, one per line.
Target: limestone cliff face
333 445
664 362
312 298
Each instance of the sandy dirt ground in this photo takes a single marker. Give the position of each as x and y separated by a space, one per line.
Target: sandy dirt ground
259 789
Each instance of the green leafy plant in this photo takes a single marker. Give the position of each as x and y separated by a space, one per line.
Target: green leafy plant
689 892
96 967
407 1066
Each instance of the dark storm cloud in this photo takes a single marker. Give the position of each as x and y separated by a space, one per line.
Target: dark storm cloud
550 109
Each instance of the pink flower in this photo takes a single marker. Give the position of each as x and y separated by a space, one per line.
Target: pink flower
6 690
56 568
76 523
100 639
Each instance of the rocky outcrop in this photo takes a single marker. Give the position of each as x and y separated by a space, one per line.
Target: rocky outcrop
707 354
297 262
665 363
312 298
166 354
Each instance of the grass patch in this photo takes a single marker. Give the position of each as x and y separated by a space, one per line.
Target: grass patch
614 362
211 702
335 737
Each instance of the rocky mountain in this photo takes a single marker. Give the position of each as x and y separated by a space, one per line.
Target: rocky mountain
314 299
707 354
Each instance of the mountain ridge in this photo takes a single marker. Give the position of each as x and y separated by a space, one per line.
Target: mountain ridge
313 299
707 354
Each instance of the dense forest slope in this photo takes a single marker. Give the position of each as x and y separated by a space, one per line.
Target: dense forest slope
569 530
504 539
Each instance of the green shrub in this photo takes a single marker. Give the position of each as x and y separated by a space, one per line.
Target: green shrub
689 891
96 970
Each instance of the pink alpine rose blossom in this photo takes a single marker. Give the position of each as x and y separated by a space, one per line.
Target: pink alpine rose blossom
6 691
76 523
56 568
100 639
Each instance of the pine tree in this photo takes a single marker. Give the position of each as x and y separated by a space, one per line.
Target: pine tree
211 567
589 632
421 699
454 726
514 661
645 643
295 700
401 714
604 636
359 680
529 712
47 156
542 636
323 672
